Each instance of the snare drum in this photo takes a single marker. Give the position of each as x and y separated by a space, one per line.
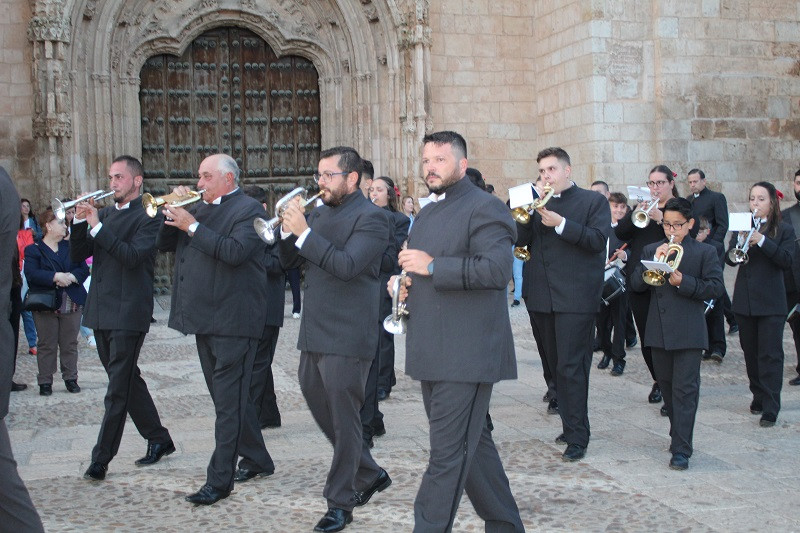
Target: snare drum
613 284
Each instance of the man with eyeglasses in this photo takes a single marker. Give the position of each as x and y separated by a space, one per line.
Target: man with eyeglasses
713 207
341 244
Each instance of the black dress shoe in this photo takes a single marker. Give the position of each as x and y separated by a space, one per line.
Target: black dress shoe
72 385
383 394
16 387
679 461
207 495
603 364
734 328
717 357
755 408
655 394
378 430
546 397
155 451
561 440
706 356
379 485
664 411
574 452
245 474
552 407
334 520
95 472
618 369
631 343
46 389
767 420
795 381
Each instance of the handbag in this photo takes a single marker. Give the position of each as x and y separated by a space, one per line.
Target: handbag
40 299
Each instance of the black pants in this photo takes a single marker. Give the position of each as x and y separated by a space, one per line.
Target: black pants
17 512
127 393
611 328
791 300
715 323
293 275
252 448
762 344
16 310
548 373
640 305
385 357
265 396
678 373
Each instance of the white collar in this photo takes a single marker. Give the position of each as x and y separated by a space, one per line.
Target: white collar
218 199
123 206
434 198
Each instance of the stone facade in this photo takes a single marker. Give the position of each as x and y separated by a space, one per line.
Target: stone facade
621 85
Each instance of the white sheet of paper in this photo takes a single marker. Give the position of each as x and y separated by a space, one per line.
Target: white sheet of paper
638 194
740 221
657 265
520 195
423 201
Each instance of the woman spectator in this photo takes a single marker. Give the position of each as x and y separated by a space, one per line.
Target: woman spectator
29 219
47 266
408 210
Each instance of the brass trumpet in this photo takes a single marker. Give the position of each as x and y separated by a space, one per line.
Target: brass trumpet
641 217
522 214
738 255
657 278
266 228
152 203
60 208
396 322
522 253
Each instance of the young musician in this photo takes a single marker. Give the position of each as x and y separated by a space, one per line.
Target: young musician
758 299
676 328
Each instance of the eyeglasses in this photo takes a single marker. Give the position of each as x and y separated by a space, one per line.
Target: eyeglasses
658 183
327 176
675 226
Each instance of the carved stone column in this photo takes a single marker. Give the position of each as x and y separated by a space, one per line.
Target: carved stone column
50 34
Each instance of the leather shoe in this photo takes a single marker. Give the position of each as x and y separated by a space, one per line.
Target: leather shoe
95 472
795 381
655 394
552 407
631 343
245 474
717 357
574 452
16 387
546 397
618 369
383 394
755 408
46 389
679 461
664 411
207 495
72 385
155 451
379 485
734 328
603 364
334 520
706 356
561 440
767 421
379 429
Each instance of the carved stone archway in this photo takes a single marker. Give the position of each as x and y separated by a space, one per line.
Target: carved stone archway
372 57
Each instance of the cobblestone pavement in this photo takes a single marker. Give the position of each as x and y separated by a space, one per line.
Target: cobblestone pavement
742 477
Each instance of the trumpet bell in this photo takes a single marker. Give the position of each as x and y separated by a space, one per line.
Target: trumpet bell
522 253
521 215
640 219
265 229
738 256
654 278
150 204
395 327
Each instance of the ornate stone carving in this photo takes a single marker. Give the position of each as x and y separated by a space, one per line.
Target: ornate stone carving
49 29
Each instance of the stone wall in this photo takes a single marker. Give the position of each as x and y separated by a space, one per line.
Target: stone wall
17 147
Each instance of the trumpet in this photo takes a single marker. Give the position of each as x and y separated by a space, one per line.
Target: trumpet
266 228
60 208
152 203
641 217
396 322
657 278
738 255
522 214
522 253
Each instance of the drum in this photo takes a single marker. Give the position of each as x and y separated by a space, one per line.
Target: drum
613 284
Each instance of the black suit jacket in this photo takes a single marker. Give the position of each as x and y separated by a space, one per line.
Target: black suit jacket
343 254
637 238
675 319
276 284
565 273
121 293
9 225
759 289
219 284
714 208
791 215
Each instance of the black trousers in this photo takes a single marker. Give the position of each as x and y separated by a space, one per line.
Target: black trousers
762 343
611 327
678 373
17 512
548 373
791 300
567 339
715 323
127 393
293 275
16 310
265 395
640 305
370 413
227 364
252 448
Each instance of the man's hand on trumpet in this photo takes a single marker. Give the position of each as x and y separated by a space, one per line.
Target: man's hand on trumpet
178 216
403 290
293 218
87 211
414 261
551 219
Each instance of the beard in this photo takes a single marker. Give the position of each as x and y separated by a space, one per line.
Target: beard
336 196
445 183
120 196
797 195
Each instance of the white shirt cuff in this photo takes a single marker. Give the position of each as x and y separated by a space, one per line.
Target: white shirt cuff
560 227
301 239
193 228
95 230
761 242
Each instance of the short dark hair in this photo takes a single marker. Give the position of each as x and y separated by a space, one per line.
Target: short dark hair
698 172
47 217
349 160
369 170
559 154
702 224
797 173
448 137
679 205
600 182
476 178
256 192
134 165
617 198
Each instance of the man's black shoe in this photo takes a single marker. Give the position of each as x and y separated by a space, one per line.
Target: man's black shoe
755 408
383 394
767 421
515 303
795 381
16 387
45 389
631 343
155 451
618 369
734 328
552 407
574 452
664 411
379 485
679 461
706 356
378 430
655 394
334 520
95 472
546 397
72 385
603 364
561 440
245 474
207 495
717 357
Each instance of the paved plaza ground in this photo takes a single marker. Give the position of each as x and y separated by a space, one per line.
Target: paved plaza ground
742 477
